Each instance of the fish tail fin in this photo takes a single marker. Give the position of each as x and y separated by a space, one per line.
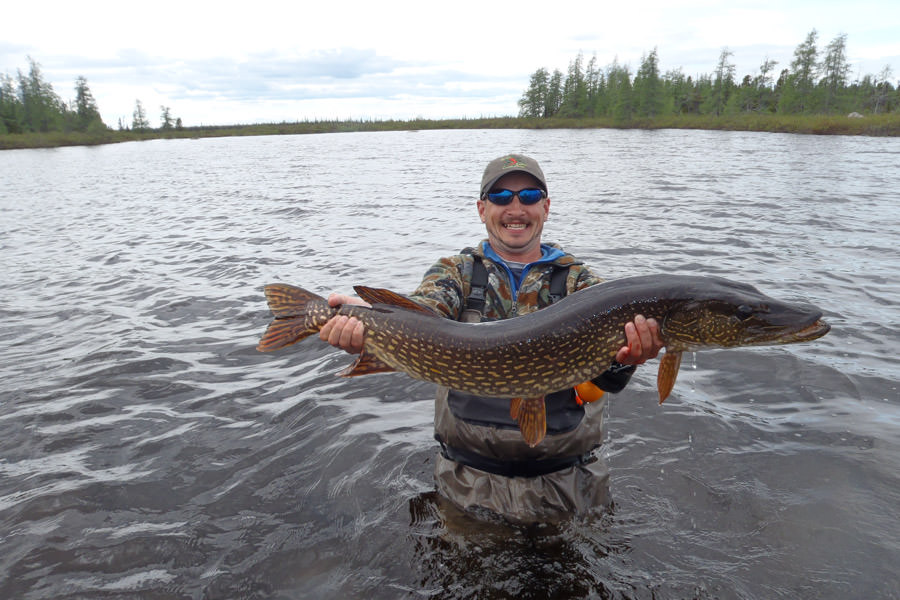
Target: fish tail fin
531 415
298 314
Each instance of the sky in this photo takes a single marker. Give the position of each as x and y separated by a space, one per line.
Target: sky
219 63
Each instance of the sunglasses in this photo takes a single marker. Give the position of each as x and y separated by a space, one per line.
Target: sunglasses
527 196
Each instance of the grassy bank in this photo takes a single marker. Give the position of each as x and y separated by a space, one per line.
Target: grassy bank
870 125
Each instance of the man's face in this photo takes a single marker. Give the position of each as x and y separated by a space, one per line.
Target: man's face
514 230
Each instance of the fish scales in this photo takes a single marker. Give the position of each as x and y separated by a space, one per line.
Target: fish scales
529 362
563 345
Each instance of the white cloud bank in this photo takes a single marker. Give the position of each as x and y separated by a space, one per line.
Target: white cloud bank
274 61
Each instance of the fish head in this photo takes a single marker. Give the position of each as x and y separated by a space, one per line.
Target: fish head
727 314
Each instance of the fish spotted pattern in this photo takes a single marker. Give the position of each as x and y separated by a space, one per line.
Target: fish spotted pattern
561 346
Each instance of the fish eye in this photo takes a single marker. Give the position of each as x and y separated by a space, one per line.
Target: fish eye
744 312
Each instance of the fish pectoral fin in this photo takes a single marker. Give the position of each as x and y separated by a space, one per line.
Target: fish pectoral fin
531 415
668 372
366 364
383 296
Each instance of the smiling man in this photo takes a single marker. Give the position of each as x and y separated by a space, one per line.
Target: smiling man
484 463
515 217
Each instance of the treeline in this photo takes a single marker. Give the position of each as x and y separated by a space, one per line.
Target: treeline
816 82
34 107
28 104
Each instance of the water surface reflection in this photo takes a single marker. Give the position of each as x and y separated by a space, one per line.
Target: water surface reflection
147 450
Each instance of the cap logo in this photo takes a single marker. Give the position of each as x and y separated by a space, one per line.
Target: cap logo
510 162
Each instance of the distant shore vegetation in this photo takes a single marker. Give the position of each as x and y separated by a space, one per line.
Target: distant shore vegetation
814 94
817 82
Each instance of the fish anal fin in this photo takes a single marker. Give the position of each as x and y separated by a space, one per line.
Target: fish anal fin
366 364
531 415
668 372
383 296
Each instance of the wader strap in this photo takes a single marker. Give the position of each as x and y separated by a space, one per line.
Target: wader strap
475 301
558 284
513 468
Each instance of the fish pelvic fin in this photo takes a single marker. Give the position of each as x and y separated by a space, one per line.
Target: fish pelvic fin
383 296
298 314
668 372
366 364
531 415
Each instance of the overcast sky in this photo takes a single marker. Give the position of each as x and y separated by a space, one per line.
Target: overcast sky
252 62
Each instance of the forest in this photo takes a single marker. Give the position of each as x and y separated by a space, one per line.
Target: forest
814 94
34 106
29 104
817 82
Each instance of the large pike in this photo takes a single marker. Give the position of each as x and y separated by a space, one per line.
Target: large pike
565 344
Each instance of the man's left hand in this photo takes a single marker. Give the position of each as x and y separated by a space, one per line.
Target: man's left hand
643 342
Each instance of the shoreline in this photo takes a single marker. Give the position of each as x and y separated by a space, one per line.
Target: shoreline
882 125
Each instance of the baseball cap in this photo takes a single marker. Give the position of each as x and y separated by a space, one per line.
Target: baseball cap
504 165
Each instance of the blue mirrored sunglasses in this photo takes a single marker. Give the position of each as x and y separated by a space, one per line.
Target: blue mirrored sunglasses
527 196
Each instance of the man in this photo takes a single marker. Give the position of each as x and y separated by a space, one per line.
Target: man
484 461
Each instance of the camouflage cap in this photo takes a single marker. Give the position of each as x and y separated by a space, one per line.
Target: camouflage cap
504 165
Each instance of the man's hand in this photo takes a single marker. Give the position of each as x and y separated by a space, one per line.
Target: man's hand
643 342
342 331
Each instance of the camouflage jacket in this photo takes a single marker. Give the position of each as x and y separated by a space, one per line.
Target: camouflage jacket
447 283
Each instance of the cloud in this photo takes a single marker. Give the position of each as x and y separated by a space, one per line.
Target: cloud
273 85
339 63
355 58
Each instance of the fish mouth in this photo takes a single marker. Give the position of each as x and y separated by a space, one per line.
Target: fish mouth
779 334
813 331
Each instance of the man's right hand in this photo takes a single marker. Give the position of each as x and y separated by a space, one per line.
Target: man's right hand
341 331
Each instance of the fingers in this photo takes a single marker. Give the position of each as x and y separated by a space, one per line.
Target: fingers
623 356
342 331
338 299
345 333
643 342
325 332
655 337
355 337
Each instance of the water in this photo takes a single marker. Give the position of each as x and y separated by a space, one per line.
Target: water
148 451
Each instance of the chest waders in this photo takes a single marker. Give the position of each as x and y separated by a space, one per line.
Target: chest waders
564 414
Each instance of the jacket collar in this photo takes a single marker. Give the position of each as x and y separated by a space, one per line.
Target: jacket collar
551 253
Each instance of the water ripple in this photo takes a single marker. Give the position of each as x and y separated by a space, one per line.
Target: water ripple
148 450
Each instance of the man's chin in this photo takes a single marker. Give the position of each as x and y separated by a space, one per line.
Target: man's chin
513 246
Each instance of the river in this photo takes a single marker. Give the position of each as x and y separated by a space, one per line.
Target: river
148 451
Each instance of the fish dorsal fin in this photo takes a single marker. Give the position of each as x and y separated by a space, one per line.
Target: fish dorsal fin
366 364
668 371
383 296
